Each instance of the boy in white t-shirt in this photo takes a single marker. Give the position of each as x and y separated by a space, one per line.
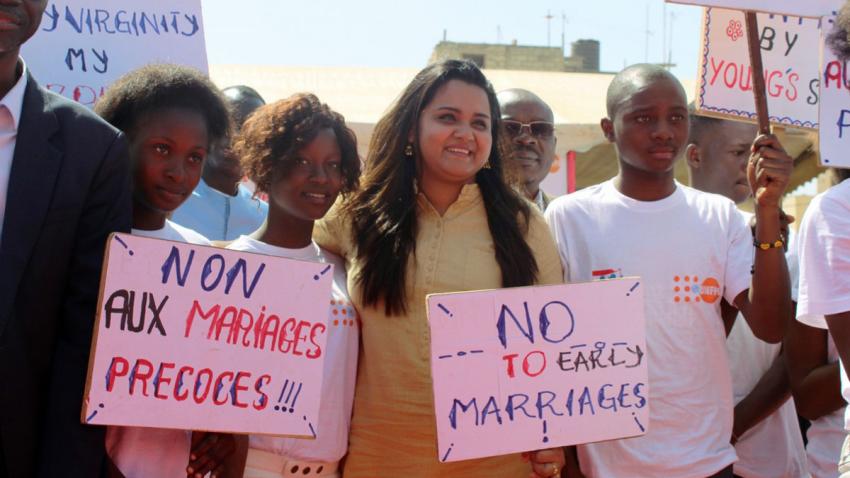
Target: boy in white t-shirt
765 430
815 374
690 249
824 297
824 252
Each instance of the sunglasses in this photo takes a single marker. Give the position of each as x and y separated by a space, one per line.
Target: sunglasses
538 129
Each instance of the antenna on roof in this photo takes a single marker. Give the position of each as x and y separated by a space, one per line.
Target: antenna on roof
549 18
648 33
563 31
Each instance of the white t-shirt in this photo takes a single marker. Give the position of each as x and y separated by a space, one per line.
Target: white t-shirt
774 446
824 248
688 248
340 363
153 452
826 434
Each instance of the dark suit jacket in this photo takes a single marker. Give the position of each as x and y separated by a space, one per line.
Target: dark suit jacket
69 187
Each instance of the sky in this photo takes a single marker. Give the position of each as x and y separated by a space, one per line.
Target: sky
402 33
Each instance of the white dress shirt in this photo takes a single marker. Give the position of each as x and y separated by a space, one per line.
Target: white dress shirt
10 117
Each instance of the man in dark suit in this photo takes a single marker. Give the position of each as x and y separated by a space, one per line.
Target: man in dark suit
64 186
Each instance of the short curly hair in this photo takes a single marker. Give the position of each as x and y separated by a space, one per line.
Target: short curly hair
839 38
273 134
158 86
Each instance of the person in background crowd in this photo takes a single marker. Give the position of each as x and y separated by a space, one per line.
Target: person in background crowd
301 154
529 125
765 430
172 116
433 183
823 247
691 249
222 208
815 377
64 187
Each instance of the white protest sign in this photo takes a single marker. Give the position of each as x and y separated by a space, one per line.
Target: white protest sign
538 367
800 8
724 82
196 337
834 132
83 46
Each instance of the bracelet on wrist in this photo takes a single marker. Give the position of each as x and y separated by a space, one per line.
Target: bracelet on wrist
764 246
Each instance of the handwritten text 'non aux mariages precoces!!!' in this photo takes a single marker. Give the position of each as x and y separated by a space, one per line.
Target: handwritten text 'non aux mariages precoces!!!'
141 313
555 324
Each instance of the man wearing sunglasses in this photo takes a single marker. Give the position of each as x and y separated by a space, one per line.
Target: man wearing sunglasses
529 123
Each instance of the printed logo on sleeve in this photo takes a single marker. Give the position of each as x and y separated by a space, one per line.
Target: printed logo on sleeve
605 274
690 289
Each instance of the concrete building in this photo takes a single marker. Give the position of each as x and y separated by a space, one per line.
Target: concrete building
584 57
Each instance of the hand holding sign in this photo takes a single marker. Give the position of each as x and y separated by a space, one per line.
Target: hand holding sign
768 171
200 338
537 367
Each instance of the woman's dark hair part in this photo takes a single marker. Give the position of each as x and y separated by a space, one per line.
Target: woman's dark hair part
160 86
384 210
270 139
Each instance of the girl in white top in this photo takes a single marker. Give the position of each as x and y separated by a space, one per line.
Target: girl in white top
171 116
300 153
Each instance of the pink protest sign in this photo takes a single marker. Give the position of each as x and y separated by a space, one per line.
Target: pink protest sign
195 337
791 69
807 8
538 367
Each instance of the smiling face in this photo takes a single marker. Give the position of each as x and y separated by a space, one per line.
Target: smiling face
168 147
534 152
19 20
313 182
454 135
718 163
649 126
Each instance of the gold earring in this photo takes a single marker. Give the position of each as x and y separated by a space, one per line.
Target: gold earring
408 150
487 165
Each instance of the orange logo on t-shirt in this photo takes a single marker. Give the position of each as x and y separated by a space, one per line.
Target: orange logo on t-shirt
690 289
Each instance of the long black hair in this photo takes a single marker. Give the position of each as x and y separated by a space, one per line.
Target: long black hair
384 211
